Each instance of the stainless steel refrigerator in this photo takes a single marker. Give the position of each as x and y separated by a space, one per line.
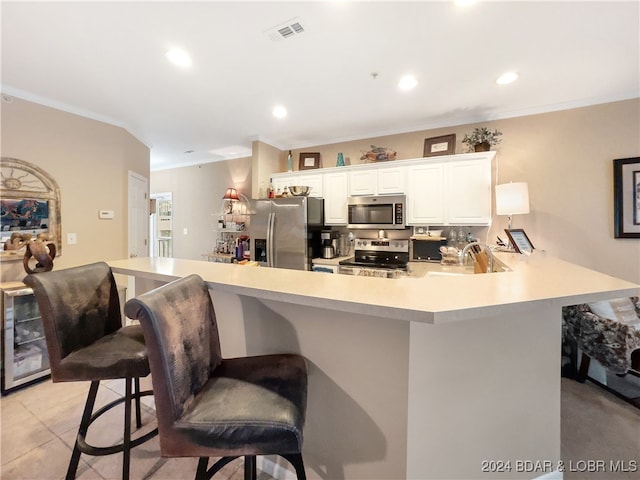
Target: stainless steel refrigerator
285 232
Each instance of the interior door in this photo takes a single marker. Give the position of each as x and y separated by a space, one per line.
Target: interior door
138 216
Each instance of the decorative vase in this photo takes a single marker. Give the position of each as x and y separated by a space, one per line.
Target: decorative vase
340 162
482 147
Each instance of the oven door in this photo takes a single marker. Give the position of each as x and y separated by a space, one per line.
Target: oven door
370 271
377 212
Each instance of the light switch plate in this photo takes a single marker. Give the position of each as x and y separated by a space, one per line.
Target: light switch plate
106 214
72 239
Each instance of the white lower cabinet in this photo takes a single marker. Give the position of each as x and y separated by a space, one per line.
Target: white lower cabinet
336 192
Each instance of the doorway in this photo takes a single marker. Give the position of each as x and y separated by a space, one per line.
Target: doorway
160 225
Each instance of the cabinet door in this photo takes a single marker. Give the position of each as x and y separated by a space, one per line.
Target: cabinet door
363 182
313 180
336 191
281 181
391 180
425 194
468 192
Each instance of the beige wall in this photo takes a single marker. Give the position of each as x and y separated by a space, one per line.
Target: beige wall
566 157
90 161
197 201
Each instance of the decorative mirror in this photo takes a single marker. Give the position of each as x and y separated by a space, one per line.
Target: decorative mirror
30 203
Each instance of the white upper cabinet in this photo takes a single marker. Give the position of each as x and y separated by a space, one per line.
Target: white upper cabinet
446 190
313 180
363 181
336 192
377 180
425 194
468 192
391 180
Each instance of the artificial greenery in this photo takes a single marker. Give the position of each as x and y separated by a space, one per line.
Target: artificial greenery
482 135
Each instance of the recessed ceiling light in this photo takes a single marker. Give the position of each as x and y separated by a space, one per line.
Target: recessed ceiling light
506 78
407 82
279 111
178 57
464 3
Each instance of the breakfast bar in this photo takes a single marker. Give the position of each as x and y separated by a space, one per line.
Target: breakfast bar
444 375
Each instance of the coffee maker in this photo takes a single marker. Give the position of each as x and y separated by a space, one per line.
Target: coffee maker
329 243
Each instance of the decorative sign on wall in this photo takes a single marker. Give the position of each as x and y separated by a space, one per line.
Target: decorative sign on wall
626 197
443 145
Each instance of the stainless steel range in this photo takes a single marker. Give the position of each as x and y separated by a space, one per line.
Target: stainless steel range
378 257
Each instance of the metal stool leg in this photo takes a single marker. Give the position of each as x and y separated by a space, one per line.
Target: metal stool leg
201 473
82 431
138 410
295 459
126 443
250 467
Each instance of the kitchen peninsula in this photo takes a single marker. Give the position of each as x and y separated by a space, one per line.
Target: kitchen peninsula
422 378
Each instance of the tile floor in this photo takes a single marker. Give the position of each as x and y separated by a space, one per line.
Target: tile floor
39 424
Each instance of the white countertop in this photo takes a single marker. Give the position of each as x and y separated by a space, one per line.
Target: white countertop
329 261
429 299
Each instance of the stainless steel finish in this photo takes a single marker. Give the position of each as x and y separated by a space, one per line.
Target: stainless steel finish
465 250
382 245
287 230
299 190
363 214
328 251
20 311
371 272
377 257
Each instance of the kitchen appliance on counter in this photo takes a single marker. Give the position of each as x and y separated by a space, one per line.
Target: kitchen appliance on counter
285 232
424 248
329 244
376 212
378 257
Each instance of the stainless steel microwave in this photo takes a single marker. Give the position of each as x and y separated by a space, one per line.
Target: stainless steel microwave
376 212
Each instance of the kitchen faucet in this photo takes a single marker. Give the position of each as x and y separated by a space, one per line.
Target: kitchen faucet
465 250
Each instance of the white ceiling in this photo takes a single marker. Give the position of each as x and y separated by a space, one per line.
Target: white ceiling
105 60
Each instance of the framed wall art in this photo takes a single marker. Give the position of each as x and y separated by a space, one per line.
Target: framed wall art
309 161
519 240
443 145
626 197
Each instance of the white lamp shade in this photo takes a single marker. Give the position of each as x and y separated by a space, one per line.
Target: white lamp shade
512 198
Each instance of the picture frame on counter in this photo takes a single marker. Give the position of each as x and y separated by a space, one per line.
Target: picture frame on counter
442 145
309 161
626 197
519 240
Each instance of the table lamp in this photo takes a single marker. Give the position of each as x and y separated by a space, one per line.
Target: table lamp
512 199
231 194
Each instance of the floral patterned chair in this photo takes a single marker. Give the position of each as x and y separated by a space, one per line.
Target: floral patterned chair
615 343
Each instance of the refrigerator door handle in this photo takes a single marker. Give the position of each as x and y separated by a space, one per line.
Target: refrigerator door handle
270 239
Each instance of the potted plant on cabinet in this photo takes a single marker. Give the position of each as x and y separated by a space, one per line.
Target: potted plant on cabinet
481 139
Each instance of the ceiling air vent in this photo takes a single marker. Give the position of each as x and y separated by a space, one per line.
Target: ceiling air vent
288 29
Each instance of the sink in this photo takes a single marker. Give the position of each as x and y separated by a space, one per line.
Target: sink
420 270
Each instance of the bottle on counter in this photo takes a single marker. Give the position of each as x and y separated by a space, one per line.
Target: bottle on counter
452 239
289 162
271 192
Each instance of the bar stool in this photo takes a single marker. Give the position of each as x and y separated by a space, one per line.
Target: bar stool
83 329
208 406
